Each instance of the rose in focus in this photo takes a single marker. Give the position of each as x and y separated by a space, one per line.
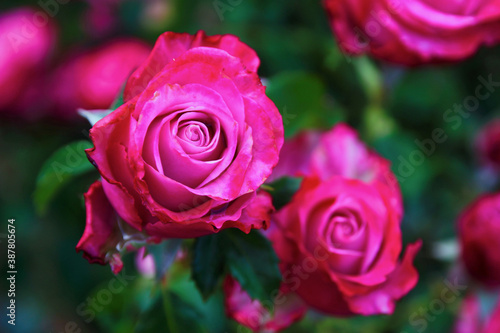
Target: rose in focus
414 32
478 230
186 154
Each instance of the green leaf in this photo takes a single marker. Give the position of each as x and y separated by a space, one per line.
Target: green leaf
249 258
284 190
207 266
63 166
170 314
253 262
301 99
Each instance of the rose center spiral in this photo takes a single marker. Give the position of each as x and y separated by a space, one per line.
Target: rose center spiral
195 132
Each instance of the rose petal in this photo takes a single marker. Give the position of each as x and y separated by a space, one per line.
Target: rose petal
102 233
288 308
171 45
381 299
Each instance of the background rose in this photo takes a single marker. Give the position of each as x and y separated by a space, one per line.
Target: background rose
471 319
92 80
478 230
287 308
25 45
415 32
186 157
488 144
341 240
340 152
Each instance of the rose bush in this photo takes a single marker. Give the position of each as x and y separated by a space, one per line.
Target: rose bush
478 229
186 154
340 236
414 32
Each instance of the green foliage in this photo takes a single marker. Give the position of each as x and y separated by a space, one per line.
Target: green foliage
301 99
170 314
63 166
208 263
249 258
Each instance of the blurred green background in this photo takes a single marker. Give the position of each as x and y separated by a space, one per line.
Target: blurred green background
314 85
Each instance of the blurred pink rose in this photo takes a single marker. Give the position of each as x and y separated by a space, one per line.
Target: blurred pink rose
488 145
340 152
288 308
478 230
186 156
414 32
340 236
101 17
92 80
27 38
340 240
469 319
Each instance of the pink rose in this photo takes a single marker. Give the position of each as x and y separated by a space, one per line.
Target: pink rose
338 151
469 319
26 40
414 32
478 230
288 308
341 240
92 80
187 155
340 236
488 145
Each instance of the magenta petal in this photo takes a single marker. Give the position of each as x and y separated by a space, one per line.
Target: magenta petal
295 156
469 318
288 308
171 45
102 233
382 298
169 193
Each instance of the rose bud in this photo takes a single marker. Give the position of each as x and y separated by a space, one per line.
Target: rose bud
145 263
414 32
93 80
488 145
478 230
288 308
338 151
469 319
186 154
27 39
